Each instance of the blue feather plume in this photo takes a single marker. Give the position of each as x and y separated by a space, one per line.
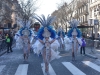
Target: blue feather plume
69 34
44 21
50 29
63 33
74 24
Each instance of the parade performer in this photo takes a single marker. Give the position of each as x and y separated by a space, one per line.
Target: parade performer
61 36
74 33
24 35
46 36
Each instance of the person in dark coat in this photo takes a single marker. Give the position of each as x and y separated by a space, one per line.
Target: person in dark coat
9 41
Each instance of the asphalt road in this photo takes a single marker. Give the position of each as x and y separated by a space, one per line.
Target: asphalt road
14 64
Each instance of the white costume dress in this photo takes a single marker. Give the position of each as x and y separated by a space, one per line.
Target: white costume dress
38 47
67 42
19 43
25 45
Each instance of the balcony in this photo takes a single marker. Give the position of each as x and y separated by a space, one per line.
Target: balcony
85 12
85 23
76 15
7 8
95 3
81 3
69 11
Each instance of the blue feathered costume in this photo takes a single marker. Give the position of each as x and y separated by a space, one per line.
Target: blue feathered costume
46 43
73 25
74 33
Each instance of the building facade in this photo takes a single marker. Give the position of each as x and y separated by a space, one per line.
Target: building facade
9 10
94 8
82 10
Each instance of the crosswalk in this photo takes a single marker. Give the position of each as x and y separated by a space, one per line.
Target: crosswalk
22 69
1 67
74 70
92 65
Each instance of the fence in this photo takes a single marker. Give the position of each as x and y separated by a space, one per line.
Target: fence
93 44
3 45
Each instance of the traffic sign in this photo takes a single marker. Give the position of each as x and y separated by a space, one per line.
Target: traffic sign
96 22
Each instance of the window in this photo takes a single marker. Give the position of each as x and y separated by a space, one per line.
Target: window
83 18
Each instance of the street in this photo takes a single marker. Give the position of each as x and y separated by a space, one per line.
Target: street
13 64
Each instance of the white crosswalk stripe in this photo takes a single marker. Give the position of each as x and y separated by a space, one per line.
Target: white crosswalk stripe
51 71
92 65
22 69
2 67
74 70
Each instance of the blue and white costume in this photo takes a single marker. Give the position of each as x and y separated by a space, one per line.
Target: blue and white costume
38 46
74 33
24 30
46 43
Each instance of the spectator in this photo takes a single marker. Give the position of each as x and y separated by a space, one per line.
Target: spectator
83 46
9 41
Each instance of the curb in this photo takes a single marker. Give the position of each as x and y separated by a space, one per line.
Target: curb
3 52
91 56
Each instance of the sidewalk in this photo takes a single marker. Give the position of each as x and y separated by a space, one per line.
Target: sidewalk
93 53
5 51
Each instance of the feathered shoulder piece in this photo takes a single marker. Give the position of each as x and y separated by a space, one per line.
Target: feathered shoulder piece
74 30
25 27
61 32
46 30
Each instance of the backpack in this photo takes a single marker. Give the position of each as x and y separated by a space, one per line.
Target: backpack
8 40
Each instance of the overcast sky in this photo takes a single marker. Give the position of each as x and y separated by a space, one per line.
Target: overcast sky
48 6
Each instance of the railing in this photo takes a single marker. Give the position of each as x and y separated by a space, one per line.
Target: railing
93 44
3 45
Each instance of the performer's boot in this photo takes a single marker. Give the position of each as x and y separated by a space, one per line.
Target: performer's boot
27 55
73 56
24 55
47 68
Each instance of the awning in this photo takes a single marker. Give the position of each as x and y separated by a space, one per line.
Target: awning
83 27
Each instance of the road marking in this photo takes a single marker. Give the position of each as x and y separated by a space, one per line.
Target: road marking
2 67
22 69
74 70
92 65
51 71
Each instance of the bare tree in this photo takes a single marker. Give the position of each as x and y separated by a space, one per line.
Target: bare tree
27 10
5 15
65 13
61 15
